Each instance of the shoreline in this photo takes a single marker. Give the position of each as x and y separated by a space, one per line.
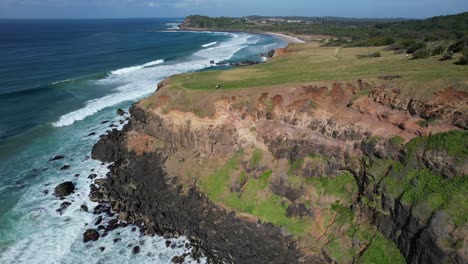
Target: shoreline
288 38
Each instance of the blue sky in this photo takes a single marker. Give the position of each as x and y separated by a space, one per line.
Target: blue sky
181 8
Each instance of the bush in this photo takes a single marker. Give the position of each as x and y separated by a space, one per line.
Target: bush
370 55
448 55
416 46
463 59
421 54
459 45
437 50
374 42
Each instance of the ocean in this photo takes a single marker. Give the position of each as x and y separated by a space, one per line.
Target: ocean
61 82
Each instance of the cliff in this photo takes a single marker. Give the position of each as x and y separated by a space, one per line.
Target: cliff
329 171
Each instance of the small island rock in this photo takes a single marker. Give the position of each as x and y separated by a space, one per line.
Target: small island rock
64 189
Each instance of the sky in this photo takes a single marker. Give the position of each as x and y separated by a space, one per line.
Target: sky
235 8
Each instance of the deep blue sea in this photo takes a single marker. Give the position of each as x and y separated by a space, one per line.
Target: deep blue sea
59 79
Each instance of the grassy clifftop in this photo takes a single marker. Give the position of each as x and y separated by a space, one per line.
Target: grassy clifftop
309 62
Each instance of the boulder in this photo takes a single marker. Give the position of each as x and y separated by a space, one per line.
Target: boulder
90 235
120 112
64 189
65 167
178 259
63 207
58 157
136 250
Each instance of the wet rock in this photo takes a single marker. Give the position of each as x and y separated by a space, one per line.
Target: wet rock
63 207
98 221
65 167
64 189
92 134
45 192
84 208
90 235
120 112
168 243
136 250
77 175
104 122
117 240
92 176
178 259
102 249
58 157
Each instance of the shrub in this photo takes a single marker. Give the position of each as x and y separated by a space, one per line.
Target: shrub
374 42
370 55
421 54
448 55
416 46
459 45
437 50
463 59
406 43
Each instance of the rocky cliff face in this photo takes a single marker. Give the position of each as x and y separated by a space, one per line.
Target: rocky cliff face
164 155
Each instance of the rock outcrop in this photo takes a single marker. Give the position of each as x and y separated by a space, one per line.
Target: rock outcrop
160 154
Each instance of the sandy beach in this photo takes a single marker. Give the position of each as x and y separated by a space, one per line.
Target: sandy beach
290 39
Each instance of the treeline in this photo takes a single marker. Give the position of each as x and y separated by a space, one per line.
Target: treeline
357 31
442 35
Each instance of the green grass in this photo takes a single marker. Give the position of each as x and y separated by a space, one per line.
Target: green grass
308 63
343 186
454 143
397 140
215 185
257 156
427 190
381 251
255 198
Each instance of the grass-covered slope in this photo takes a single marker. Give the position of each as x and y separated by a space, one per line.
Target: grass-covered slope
311 63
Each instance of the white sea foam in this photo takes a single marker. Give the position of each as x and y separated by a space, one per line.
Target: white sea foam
62 81
42 235
209 44
138 67
173 25
266 46
137 81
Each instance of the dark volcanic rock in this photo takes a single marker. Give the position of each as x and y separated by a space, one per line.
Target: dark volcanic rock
63 207
90 235
64 189
65 167
178 259
84 208
120 112
136 250
58 157
141 184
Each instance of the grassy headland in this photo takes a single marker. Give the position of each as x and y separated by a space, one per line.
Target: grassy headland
308 196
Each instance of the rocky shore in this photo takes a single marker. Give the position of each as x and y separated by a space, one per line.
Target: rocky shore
154 155
141 193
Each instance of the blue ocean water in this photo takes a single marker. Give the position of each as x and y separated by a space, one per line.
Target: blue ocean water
59 79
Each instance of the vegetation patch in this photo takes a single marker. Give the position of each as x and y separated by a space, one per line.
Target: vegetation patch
381 250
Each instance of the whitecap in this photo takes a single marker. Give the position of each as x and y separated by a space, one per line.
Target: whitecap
209 44
138 81
138 67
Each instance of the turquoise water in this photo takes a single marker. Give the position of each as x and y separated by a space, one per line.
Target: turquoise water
58 81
